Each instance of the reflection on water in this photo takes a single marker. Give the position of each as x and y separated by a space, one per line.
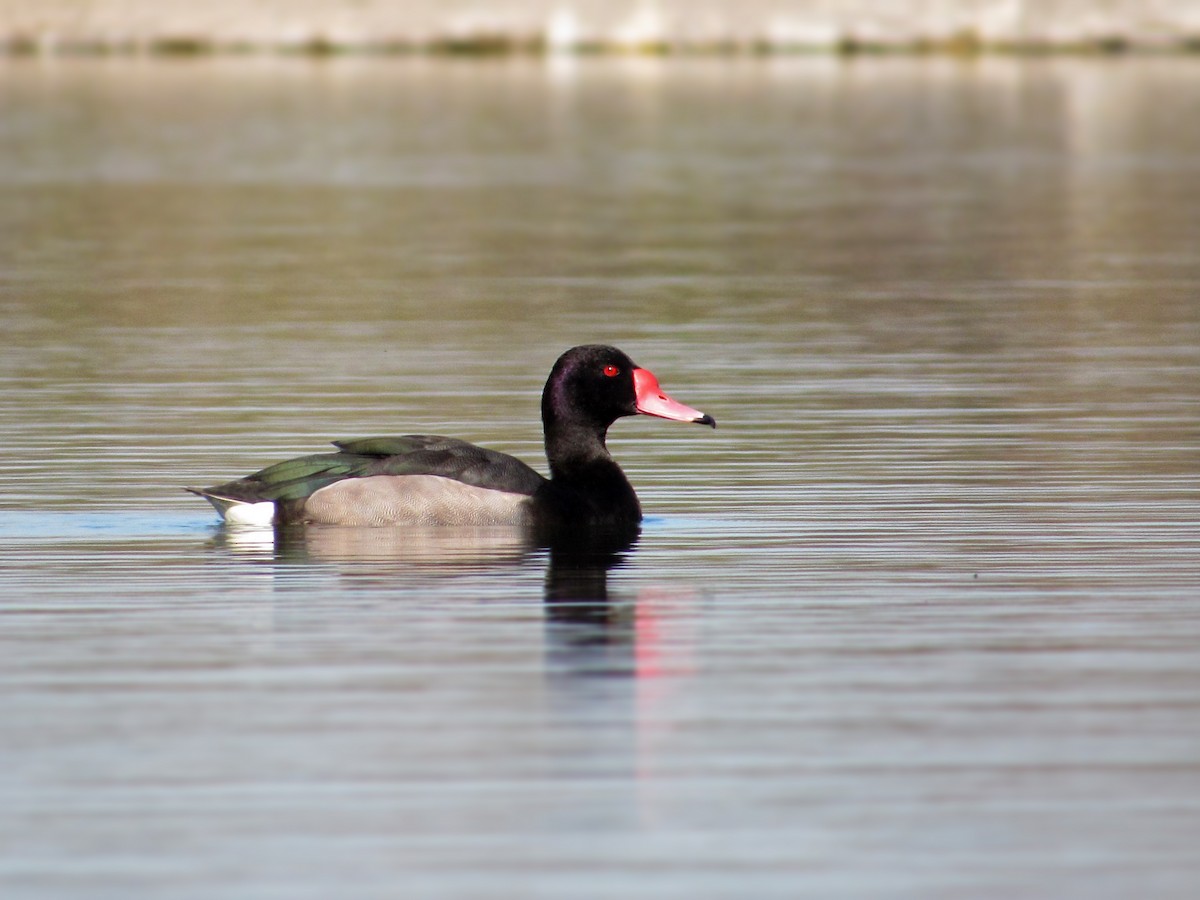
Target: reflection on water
918 620
587 631
444 550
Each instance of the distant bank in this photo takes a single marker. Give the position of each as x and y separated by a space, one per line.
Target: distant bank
565 26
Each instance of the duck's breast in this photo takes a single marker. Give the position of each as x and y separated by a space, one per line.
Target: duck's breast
414 500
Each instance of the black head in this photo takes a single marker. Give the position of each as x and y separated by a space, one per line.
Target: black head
596 384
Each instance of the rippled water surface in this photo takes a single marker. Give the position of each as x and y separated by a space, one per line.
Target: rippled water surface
920 619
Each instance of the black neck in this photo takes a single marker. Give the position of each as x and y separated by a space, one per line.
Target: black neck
586 480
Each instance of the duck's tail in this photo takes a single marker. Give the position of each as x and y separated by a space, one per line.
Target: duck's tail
238 512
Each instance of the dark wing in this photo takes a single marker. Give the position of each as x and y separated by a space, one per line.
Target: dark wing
427 454
414 454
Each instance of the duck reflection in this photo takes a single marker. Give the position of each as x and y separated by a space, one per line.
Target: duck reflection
589 629
376 552
613 658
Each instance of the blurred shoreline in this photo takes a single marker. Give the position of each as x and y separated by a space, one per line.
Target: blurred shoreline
719 27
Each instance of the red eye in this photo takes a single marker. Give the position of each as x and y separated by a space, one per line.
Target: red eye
612 371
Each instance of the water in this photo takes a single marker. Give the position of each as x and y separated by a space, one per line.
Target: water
919 619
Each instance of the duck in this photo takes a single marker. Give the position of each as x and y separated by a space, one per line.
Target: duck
424 480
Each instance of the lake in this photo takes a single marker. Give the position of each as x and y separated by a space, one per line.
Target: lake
921 618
